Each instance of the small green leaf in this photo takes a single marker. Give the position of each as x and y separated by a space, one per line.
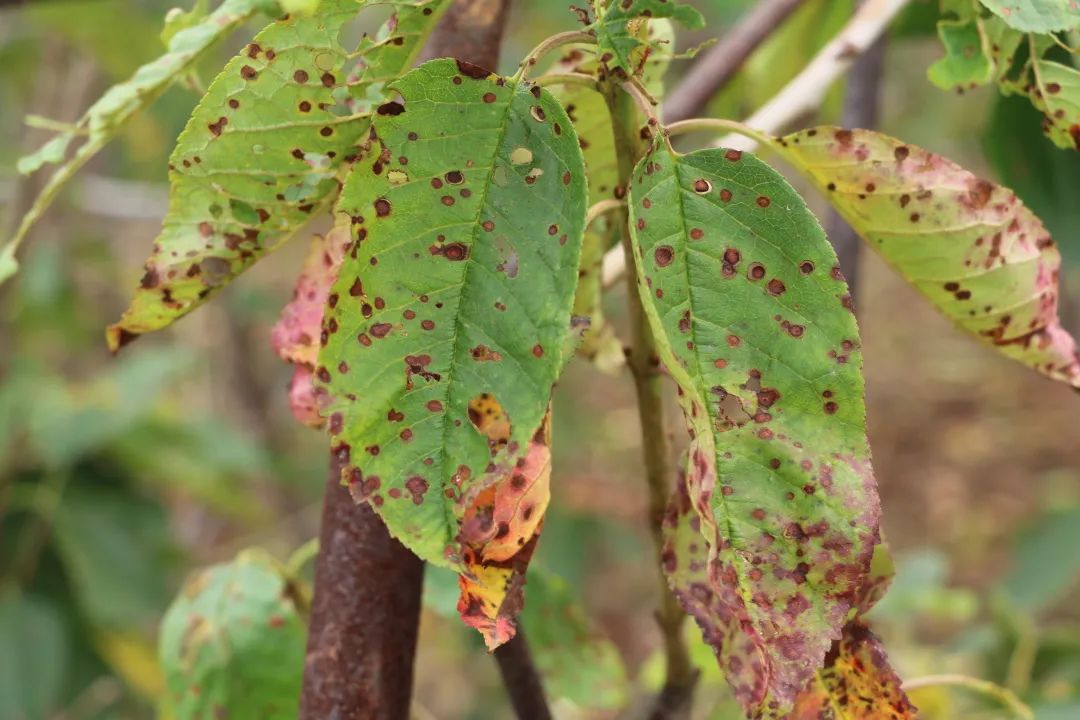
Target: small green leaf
754 323
619 42
965 64
969 246
1037 16
123 101
232 643
467 215
263 151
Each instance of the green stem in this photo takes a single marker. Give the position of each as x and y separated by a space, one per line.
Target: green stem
601 208
568 79
717 124
644 362
984 687
552 43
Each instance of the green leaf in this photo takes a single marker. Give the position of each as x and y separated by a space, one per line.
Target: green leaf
35 642
1057 95
1041 574
263 151
1043 177
1038 16
965 64
232 643
121 102
576 661
619 43
115 547
468 213
969 246
754 322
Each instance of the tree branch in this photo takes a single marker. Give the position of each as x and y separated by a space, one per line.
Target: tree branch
521 679
471 30
364 616
861 103
676 697
720 63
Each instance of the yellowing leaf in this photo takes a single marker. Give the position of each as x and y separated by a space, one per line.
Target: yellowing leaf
857 683
499 533
188 37
263 152
969 246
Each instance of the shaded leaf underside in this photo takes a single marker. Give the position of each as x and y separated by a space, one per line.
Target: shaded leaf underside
770 545
467 216
969 246
263 150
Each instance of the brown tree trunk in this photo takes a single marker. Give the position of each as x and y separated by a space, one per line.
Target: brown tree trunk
366 610
364 616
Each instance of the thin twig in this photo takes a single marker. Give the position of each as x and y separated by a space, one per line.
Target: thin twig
718 65
521 679
676 697
601 208
861 101
984 687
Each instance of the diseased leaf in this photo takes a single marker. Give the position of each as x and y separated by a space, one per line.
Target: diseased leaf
1038 16
969 246
857 683
772 543
588 109
499 531
186 44
1056 93
467 216
296 334
965 64
263 151
1042 176
600 345
620 46
232 643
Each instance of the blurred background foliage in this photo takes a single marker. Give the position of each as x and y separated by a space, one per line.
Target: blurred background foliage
120 476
